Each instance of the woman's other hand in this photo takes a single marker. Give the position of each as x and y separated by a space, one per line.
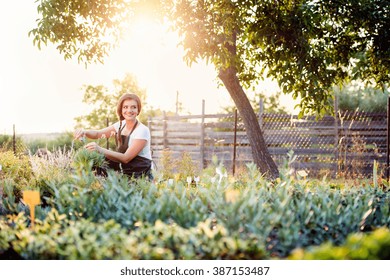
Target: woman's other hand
93 146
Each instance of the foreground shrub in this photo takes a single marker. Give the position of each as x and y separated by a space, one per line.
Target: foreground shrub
57 237
248 217
16 169
358 246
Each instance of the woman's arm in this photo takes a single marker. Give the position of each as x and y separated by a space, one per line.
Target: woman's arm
94 134
132 151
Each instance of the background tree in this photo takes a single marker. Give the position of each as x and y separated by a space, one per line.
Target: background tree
104 102
357 97
307 46
271 104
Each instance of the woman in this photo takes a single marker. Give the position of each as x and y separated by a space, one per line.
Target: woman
133 155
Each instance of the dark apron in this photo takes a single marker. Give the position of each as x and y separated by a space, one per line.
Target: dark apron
137 167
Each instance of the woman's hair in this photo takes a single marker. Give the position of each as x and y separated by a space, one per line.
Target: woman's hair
126 96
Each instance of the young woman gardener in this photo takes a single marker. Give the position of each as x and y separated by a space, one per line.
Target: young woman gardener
133 155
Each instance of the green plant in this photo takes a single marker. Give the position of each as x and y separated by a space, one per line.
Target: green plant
358 246
87 160
222 217
167 165
185 167
354 96
17 169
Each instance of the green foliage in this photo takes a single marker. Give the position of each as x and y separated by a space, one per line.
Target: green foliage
51 170
178 168
84 216
17 169
307 46
358 246
58 238
167 167
6 142
86 160
271 104
76 30
352 98
10 199
185 167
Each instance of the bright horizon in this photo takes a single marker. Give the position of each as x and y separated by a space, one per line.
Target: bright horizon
40 92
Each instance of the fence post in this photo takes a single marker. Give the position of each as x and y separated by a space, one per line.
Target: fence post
336 132
261 111
235 141
108 138
202 135
165 132
14 140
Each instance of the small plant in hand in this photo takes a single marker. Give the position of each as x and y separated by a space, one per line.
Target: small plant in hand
84 158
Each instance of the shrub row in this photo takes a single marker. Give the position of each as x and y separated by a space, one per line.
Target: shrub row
57 237
262 218
358 246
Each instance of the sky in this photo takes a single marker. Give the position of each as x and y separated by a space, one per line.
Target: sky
40 92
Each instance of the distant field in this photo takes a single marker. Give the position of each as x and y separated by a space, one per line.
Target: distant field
37 136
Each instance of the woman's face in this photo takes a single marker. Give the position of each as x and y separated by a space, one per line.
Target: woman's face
129 109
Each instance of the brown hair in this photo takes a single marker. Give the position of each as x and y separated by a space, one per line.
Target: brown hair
126 96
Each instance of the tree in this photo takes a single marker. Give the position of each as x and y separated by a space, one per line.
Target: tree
306 45
356 97
104 102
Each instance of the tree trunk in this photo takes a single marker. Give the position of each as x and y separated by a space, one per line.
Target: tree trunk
261 156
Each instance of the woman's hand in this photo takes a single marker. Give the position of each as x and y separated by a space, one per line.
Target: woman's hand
79 134
93 146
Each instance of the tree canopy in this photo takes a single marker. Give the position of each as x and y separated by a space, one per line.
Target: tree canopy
307 46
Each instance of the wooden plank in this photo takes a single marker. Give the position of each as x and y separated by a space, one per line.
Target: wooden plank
180 126
184 141
183 134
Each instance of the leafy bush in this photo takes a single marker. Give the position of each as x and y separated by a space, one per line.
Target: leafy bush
358 246
17 169
221 217
87 160
282 215
353 97
7 144
178 168
56 237
51 170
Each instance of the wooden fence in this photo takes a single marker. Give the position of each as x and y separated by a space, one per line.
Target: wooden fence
346 144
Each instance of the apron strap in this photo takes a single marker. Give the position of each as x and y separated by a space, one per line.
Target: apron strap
125 142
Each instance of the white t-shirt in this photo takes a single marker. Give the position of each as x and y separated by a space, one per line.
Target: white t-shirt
140 132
